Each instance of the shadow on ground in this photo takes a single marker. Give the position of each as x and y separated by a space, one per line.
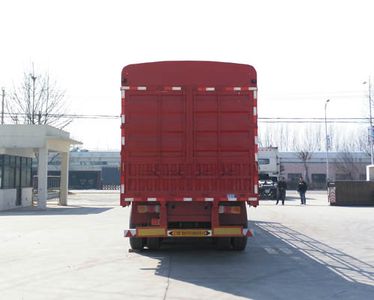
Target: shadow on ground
279 263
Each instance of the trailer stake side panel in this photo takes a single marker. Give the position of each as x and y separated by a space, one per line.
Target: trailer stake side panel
189 135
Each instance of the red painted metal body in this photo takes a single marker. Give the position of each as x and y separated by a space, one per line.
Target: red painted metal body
189 141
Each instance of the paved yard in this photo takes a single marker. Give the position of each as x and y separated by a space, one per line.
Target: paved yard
78 252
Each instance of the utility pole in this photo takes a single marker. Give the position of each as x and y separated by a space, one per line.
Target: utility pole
371 137
33 77
327 144
2 105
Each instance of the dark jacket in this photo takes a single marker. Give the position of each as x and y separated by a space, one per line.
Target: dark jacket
282 185
302 187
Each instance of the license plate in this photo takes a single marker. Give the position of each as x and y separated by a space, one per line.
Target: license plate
189 232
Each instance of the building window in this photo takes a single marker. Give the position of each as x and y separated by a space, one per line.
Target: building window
319 181
263 161
1 170
342 177
15 172
293 179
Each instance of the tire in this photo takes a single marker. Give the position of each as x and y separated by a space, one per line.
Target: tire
223 243
153 243
239 243
136 243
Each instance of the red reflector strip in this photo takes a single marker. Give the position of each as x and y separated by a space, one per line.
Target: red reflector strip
206 89
148 209
235 210
134 88
172 88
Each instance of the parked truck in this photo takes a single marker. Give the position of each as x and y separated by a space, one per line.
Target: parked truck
269 172
189 151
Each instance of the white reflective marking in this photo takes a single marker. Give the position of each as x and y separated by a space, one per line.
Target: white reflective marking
123 117
237 88
245 230
256 139
252 199
285 250
255 111
252 88
151 199
209 199
176 88
210 89
270 250
129 199
122 188
141 88
133 232
256 157
255 189
125 88
123 140
255 94
123 93
187 199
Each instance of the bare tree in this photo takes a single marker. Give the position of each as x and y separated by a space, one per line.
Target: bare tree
37 100
307 145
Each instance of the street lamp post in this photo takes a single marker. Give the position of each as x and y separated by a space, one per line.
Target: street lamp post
2 105
327 144
371 124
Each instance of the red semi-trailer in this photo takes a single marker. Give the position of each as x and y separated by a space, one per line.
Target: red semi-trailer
189 151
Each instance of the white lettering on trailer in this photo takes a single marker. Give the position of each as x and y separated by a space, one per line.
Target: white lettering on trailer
123 117
231 197
209 199
176 88
187 199
141 88
122 188
151 199
123 140
129 199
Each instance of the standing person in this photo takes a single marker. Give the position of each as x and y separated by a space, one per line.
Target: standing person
281 190
302 188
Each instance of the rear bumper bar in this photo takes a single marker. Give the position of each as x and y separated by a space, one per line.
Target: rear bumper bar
226 231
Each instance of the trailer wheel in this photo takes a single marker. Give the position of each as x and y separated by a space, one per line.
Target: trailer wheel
136 243
153 243
223 243
239 243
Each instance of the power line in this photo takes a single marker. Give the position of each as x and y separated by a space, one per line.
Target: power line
346 120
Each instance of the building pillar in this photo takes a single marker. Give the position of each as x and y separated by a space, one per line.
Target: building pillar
43 178
64 179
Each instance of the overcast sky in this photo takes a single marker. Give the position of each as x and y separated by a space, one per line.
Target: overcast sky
304 51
